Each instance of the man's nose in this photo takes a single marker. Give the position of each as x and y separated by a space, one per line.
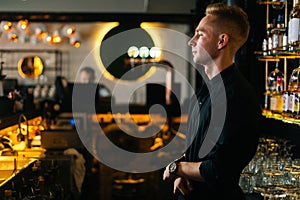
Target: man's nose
191 42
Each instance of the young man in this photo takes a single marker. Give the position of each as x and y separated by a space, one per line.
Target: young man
228 144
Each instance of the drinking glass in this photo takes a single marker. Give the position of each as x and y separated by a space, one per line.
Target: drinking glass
278 4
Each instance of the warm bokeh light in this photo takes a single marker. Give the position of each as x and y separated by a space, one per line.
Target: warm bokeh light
6 26
13 37
40 31
48 39
133 52
75 40
108 26
155 52
75 43
23 24
68 30
56 38
144 52
35 33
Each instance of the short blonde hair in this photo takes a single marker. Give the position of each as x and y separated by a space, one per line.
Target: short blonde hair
232 20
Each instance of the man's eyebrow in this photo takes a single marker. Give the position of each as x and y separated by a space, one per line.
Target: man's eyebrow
199 30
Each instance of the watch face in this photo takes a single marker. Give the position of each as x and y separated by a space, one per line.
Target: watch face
172 167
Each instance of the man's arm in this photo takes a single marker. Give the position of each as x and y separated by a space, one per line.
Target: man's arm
186 170
189 170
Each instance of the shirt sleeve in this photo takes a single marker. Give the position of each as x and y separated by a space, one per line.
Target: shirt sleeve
235 146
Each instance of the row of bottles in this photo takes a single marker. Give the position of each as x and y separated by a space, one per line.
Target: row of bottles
276 38
281 101
281 36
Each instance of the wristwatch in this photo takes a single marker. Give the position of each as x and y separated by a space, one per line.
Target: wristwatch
173 166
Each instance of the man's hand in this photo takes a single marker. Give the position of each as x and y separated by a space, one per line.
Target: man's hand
167 175
182 185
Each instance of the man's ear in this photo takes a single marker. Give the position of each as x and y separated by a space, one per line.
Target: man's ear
223 40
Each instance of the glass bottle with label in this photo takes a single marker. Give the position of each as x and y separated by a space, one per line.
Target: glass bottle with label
286 101
275 84
294 25
269 38
294 97
285 44
278 33
297 104
267 96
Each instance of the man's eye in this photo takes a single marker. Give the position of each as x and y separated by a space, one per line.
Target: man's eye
199 33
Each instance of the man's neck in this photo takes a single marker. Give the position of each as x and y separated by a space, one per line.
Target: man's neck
216 67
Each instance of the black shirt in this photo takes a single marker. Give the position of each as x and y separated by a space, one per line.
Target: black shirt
223 130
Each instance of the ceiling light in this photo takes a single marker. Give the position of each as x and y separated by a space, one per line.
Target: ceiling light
23 24
13 36
68 30
48 39
144 52
41 31
34 33
75 40
155 52
133 52
6 26
56 38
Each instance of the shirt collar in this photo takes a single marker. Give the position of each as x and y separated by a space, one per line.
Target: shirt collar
222 76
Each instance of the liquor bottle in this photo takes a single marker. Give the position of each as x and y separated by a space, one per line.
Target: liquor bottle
286 101
297 104
278 33
277 38
267 97
294 97
294 25
285 44
270 38
275 83
265 47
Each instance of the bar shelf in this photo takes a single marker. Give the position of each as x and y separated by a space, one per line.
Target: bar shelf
278 116
279 54
268 2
